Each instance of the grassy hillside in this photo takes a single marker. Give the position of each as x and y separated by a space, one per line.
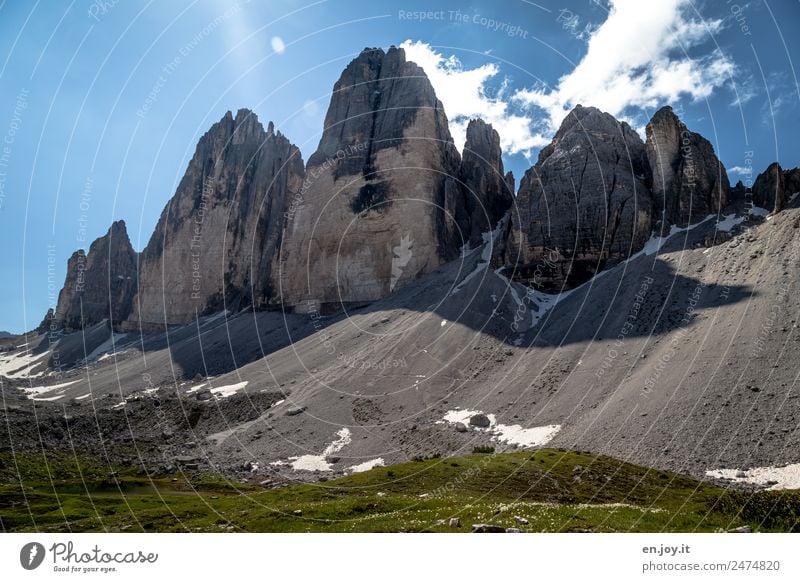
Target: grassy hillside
554 490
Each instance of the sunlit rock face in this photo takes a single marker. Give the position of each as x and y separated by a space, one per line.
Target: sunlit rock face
381 203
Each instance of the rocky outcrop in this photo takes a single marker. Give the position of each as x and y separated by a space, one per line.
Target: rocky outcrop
488 191
688 181
774 187
99 285
387 198
584 206
47 322
738 193
381 204
217 239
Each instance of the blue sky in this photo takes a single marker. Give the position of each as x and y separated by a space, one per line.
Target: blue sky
102 102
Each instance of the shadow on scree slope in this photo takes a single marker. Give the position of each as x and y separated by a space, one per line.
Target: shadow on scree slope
645 296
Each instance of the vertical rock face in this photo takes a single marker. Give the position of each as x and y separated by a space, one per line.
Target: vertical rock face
380 204
688 181
769 189
774 187
488 192
99 285
217 239
584 206
792 182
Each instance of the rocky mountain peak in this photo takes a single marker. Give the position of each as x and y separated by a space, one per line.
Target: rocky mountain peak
384 172
101 284
687 179
584 206
217 237
488 190
665 115
774 187
377 96
482 138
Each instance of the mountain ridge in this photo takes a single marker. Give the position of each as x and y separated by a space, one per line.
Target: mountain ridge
253 253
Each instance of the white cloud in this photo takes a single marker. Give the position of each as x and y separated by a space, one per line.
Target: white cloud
741 170
278 45
637 59
465 95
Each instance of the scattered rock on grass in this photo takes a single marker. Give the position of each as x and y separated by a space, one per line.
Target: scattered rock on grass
487 528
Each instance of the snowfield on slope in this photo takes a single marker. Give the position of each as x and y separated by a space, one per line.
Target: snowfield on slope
319 462
512 434
787 477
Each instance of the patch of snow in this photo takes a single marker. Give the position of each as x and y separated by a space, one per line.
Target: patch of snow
654 244
107 348
84 397
455 416
444 322
538 303
480 268
20 364
138 395
230 390
729 221
213 317
278 403
253 467
546 301
320 462
26 373
787 477
195 388
756 211
366 466
511 287
309 463
35 392
507 433
49 399
514 434
465 250
793 197
489 239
